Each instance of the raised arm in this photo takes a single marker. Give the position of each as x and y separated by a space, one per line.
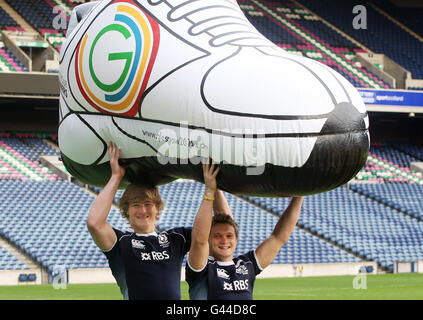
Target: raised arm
270 247
220 204
199 250
101 232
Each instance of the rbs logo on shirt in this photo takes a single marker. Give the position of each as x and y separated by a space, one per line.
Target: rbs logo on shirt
237 285
154 255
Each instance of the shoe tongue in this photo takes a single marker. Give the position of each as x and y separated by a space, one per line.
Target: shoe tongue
278 95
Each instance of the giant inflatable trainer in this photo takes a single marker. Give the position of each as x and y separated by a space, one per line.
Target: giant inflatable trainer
173 81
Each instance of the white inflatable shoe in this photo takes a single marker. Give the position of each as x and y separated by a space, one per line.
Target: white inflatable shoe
172 81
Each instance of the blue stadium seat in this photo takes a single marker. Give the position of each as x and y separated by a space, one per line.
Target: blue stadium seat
23 277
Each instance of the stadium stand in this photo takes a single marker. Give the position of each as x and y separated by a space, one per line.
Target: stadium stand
286 23
378 217
21 161
402 196
8 62
380 170
381 36
368 228
410 18
390 162
10 262
409 149
6 21
40 14
34 12
46 219
386 152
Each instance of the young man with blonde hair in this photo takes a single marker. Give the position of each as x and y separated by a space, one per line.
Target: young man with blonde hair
146 264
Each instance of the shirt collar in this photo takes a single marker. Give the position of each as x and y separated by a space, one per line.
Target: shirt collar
154 233
222 263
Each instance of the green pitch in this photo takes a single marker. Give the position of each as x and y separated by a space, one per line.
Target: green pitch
378 287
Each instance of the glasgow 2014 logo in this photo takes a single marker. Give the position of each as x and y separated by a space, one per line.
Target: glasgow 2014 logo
115 57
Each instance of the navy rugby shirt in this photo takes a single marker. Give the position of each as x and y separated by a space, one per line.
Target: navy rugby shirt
149 266
232 280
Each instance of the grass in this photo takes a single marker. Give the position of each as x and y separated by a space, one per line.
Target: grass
72 292
379 287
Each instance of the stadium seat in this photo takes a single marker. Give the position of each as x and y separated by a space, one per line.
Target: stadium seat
32 277
23 277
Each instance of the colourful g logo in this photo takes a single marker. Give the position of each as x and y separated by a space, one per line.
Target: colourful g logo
123 74
127 56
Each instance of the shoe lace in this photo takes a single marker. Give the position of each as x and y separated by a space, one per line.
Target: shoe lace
213 18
